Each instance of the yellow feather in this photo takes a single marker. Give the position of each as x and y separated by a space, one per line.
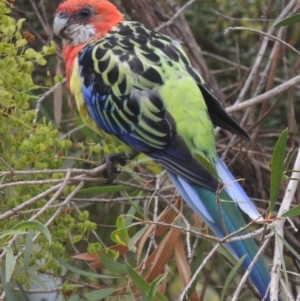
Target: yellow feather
75 88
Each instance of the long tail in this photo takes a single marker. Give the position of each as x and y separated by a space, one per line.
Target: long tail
204 203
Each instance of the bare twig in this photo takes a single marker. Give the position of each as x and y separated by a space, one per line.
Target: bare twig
45 193
264 34
88 172
241 19
262 50
286 290
54 197
258 99
204 262
176 15
66 135
44 96
249 269
7 165
155 210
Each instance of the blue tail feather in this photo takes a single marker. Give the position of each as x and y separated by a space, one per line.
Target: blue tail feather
235 190
204 203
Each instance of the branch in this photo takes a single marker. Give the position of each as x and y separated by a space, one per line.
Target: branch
264 34
262 50
44 96
278 227
45 193
204 262
249 269
49 222
90 172
176 15
258 99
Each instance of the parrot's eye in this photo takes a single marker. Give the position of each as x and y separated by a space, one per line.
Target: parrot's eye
85 12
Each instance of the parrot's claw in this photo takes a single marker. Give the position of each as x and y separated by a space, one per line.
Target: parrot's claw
110 160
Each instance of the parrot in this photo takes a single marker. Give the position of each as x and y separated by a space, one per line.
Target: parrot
135 86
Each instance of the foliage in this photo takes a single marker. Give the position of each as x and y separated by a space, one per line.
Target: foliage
29 146
127 244
288 21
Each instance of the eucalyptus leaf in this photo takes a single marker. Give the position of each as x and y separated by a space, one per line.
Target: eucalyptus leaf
289 247
133 204
35 225
81 272
94 191
133 240
112 265
277 168
100 294
120 236
22 296
9 293
231 275
28 248
9 233
288 21
295 211
9 263
143 285
153 286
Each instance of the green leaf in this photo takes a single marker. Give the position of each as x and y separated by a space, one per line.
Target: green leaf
22 296
223 251
76 238
112 265
20 22
133 204
9 233
143 285
9 293
9 263
28 248
131 213
21 43
131 243
288 21
99 295
289 247
58 78
81 272
83 216
153 286
35 226
231 275
277 168
120 236
40 60
102 189
295 211
144 296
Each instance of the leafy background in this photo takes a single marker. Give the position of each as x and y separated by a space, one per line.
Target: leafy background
65 232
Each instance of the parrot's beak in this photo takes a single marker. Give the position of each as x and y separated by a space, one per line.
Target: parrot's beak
60 23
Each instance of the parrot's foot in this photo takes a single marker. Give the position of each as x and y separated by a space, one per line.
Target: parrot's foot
110 160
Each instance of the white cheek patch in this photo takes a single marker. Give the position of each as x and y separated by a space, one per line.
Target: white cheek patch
80 34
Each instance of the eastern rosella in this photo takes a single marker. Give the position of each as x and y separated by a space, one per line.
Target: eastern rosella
136 85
